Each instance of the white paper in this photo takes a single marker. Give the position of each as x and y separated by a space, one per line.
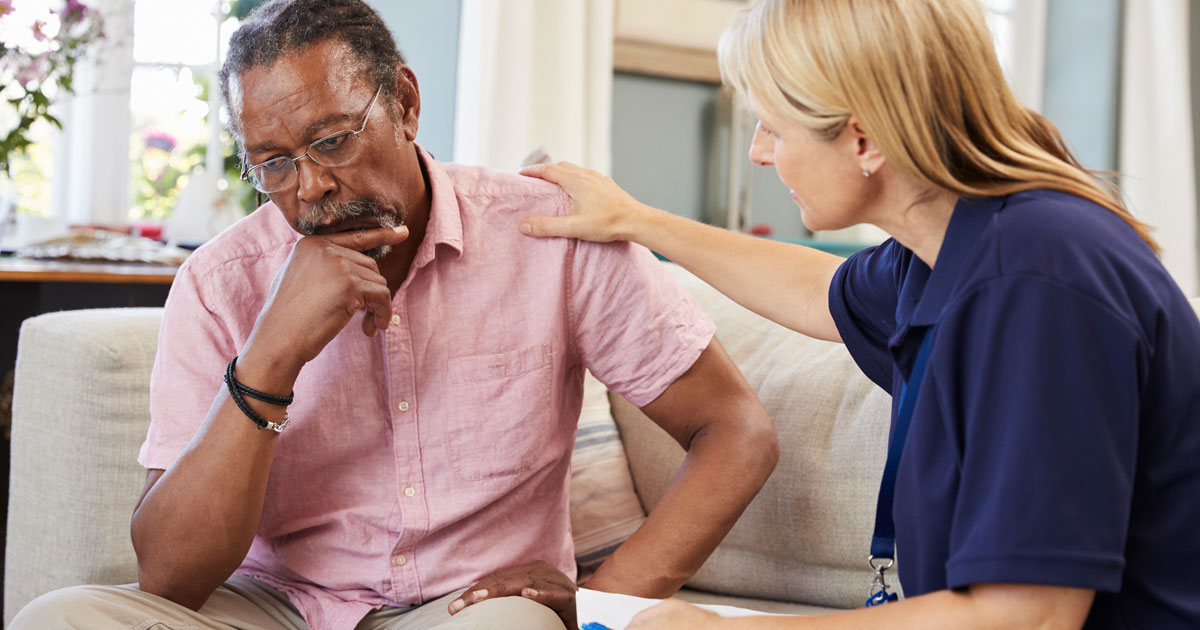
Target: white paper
616 611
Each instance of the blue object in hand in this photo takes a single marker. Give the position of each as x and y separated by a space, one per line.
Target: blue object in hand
595 626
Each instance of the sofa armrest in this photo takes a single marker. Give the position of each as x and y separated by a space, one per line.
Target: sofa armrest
80 413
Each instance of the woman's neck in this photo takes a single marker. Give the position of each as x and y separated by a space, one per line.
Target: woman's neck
919 225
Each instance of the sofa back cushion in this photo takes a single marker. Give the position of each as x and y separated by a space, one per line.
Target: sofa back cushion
806 536
80 412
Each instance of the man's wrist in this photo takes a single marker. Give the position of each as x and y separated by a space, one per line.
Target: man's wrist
273 373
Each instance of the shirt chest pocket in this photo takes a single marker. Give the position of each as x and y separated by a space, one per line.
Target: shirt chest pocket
501 411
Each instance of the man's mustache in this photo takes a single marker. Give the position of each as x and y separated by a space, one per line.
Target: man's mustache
328 214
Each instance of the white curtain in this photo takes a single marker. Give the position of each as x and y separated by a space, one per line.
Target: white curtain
91 167
1156 142
534 73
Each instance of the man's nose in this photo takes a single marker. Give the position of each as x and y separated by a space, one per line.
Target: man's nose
314 182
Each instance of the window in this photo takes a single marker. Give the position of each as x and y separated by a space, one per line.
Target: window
177 48
139 125
1019 29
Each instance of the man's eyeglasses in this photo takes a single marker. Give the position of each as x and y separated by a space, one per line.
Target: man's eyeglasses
336 149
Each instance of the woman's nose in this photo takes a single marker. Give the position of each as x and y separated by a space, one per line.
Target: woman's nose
762 147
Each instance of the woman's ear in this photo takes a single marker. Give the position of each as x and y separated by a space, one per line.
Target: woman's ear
866 153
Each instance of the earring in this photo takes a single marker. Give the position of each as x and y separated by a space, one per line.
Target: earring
866 173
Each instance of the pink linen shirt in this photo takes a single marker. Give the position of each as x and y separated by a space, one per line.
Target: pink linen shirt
420 460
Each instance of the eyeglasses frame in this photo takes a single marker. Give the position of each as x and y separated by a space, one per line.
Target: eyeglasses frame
245 174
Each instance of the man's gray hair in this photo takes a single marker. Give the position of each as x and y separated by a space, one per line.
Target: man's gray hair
281 27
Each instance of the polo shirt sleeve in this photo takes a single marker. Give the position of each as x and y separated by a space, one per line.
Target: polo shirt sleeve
634 326
1039 386
862 300
193 349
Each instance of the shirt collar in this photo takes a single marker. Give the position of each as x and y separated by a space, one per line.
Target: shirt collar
445 217
925 292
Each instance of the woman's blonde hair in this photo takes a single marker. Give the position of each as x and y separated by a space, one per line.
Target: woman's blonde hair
923 80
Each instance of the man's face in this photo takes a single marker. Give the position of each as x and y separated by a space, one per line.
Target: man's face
310 94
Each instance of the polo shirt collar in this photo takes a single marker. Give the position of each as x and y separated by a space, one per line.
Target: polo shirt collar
925 292
445 217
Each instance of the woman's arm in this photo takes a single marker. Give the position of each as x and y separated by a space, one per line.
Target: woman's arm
982 607
788 284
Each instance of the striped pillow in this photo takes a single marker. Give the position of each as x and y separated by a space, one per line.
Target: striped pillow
605 509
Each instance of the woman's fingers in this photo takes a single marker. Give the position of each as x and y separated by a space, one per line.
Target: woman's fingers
568 226
551 172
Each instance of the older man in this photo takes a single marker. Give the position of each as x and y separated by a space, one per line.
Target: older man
409 470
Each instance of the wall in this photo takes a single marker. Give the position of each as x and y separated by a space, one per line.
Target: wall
427 34
1082 81
668 152
1194 40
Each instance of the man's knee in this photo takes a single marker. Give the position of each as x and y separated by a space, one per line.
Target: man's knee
66 608
505 613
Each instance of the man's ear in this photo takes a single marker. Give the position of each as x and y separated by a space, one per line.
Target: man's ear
870 159
408 98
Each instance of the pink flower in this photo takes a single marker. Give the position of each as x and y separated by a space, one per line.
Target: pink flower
73 12
39 30
6 7
156 139
35 71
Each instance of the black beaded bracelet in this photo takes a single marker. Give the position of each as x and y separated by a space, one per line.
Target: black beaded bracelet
238 391
281 401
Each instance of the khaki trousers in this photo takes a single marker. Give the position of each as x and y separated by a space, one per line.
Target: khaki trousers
246 604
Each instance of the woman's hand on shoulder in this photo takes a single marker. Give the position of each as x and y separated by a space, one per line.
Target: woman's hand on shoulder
600 210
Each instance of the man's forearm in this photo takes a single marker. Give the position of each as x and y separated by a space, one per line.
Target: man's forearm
727 463
195 522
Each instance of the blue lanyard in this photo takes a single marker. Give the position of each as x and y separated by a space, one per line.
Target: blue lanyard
883 541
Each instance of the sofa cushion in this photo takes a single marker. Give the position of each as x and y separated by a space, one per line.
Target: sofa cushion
806 536
604 507
80 412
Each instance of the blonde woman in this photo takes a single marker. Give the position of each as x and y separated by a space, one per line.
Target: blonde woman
1045 368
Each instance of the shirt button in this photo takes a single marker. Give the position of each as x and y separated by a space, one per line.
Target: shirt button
395 319
410 491
403 406
400 560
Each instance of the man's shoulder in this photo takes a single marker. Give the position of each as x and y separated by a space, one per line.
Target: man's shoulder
498 190
260 234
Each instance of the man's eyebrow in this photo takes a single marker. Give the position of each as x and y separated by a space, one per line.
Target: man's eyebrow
262 147
309 132
312 129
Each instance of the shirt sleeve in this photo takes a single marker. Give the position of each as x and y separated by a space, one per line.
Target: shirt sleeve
635 328
193 348
1039 385
862 300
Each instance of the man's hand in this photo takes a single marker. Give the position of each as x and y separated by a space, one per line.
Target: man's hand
324 283
537 581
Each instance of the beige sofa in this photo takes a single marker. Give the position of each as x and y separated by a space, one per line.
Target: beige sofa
80 414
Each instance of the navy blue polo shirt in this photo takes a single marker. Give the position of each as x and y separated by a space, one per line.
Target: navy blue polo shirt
1056 437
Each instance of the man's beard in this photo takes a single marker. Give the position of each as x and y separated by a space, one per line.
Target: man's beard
325 217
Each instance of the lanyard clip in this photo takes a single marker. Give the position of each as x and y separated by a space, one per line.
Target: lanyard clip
879 587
